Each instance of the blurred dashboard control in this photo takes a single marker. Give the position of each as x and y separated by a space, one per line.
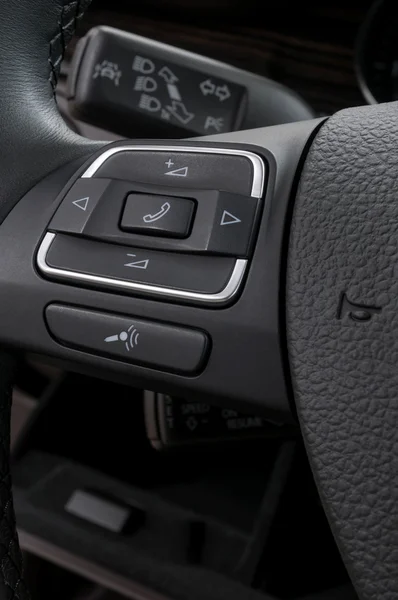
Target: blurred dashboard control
173 422
110 514
377 53
136 86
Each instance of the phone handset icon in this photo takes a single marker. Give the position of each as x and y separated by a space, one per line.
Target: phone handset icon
162 212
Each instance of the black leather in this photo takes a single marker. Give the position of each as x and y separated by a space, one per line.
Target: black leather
33 142
33 137
344 239
12 585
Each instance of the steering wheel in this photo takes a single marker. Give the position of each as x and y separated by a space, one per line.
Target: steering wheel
313 329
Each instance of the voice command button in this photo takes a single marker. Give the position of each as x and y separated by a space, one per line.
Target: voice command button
143 342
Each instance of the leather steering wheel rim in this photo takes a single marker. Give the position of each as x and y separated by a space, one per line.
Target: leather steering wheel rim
33 134
341 293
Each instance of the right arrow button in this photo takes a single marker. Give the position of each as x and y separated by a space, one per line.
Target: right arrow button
229 219
234 225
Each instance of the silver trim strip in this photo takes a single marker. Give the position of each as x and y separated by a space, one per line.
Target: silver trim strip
258 165
226 294
240 266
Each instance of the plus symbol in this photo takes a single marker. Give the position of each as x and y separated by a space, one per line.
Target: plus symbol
169 163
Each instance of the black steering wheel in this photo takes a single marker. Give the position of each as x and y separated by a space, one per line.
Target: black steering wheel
314 325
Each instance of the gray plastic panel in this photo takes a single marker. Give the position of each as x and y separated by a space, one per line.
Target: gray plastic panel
246 367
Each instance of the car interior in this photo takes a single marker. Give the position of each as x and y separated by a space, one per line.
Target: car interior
198 316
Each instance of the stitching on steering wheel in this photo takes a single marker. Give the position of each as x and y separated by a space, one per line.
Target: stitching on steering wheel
55 26
57 51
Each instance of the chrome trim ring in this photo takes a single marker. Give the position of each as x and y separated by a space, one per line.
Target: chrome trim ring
152 290
257 163
238 273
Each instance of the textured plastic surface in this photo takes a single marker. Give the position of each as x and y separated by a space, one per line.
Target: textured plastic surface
342 332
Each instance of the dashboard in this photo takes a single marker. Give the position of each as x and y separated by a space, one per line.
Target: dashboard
377 53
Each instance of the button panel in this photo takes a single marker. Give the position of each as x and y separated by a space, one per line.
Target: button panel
171 240
211 231
158 215
137 341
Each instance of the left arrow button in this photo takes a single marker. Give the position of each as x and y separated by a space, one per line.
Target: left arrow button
82 203
78 205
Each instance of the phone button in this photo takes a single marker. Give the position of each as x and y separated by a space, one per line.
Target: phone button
158 215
